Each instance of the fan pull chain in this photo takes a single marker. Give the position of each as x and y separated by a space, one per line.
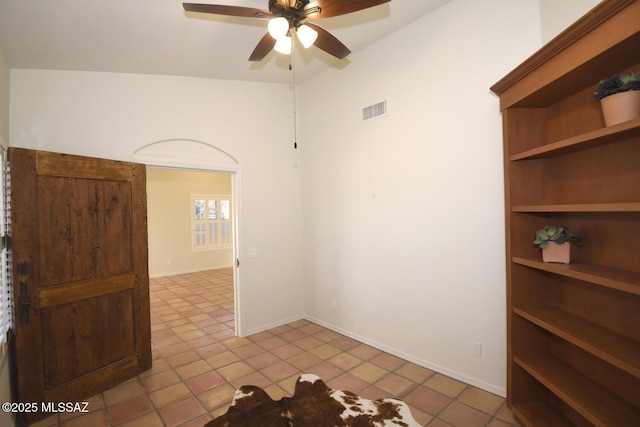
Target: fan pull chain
293 78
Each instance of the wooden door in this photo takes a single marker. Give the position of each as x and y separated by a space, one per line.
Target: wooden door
80 274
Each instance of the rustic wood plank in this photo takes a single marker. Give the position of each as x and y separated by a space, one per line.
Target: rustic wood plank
66 293
86 211
54 227
25 252
67 165
140 260
86 386
116 229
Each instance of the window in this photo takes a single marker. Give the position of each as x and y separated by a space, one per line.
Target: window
211 221
5 256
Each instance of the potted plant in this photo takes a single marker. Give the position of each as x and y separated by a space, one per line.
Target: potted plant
620 97
552 242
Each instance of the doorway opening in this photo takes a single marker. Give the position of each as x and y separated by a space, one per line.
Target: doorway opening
190 222
189 156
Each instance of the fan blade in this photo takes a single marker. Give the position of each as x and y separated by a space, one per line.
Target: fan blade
245 12
327 42
263 48
329 8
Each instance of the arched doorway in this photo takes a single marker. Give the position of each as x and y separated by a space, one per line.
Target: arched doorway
199 156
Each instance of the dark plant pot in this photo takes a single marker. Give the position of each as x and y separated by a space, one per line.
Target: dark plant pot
621 107
557 253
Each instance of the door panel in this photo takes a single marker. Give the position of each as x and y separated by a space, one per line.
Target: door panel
82 223
79 243
73 351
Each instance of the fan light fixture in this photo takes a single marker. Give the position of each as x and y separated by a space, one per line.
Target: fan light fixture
278 27
307 35
283 45
279 30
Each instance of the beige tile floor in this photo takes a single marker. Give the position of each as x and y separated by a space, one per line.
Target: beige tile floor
198 363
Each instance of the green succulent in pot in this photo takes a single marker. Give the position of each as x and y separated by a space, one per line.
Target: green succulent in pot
559 235
616 84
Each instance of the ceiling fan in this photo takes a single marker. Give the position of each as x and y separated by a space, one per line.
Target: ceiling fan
287 17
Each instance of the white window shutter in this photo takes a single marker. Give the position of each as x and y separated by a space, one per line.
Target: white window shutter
5 258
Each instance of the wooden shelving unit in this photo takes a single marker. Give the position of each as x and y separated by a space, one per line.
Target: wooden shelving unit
573 330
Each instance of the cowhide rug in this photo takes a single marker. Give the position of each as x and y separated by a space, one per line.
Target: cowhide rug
313 405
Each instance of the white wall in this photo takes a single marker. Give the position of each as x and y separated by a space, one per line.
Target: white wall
556 15
4 99
403 216
112 115
169 217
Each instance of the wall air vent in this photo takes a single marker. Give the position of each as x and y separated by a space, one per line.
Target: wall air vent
375 110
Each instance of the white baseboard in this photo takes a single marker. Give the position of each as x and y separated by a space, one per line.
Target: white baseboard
273 325
174 273
499 391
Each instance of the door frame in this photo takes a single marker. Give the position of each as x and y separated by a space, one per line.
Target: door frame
181 164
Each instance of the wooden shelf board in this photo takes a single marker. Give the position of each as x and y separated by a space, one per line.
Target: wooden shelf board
591 139
596 404
578 207
538 414
603 343
622 280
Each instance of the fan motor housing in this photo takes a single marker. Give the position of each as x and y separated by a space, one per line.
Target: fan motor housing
278 9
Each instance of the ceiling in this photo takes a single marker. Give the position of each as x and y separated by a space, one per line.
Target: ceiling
159 37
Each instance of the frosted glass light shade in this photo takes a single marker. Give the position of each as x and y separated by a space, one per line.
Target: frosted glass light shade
283 45
307 35
278 27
